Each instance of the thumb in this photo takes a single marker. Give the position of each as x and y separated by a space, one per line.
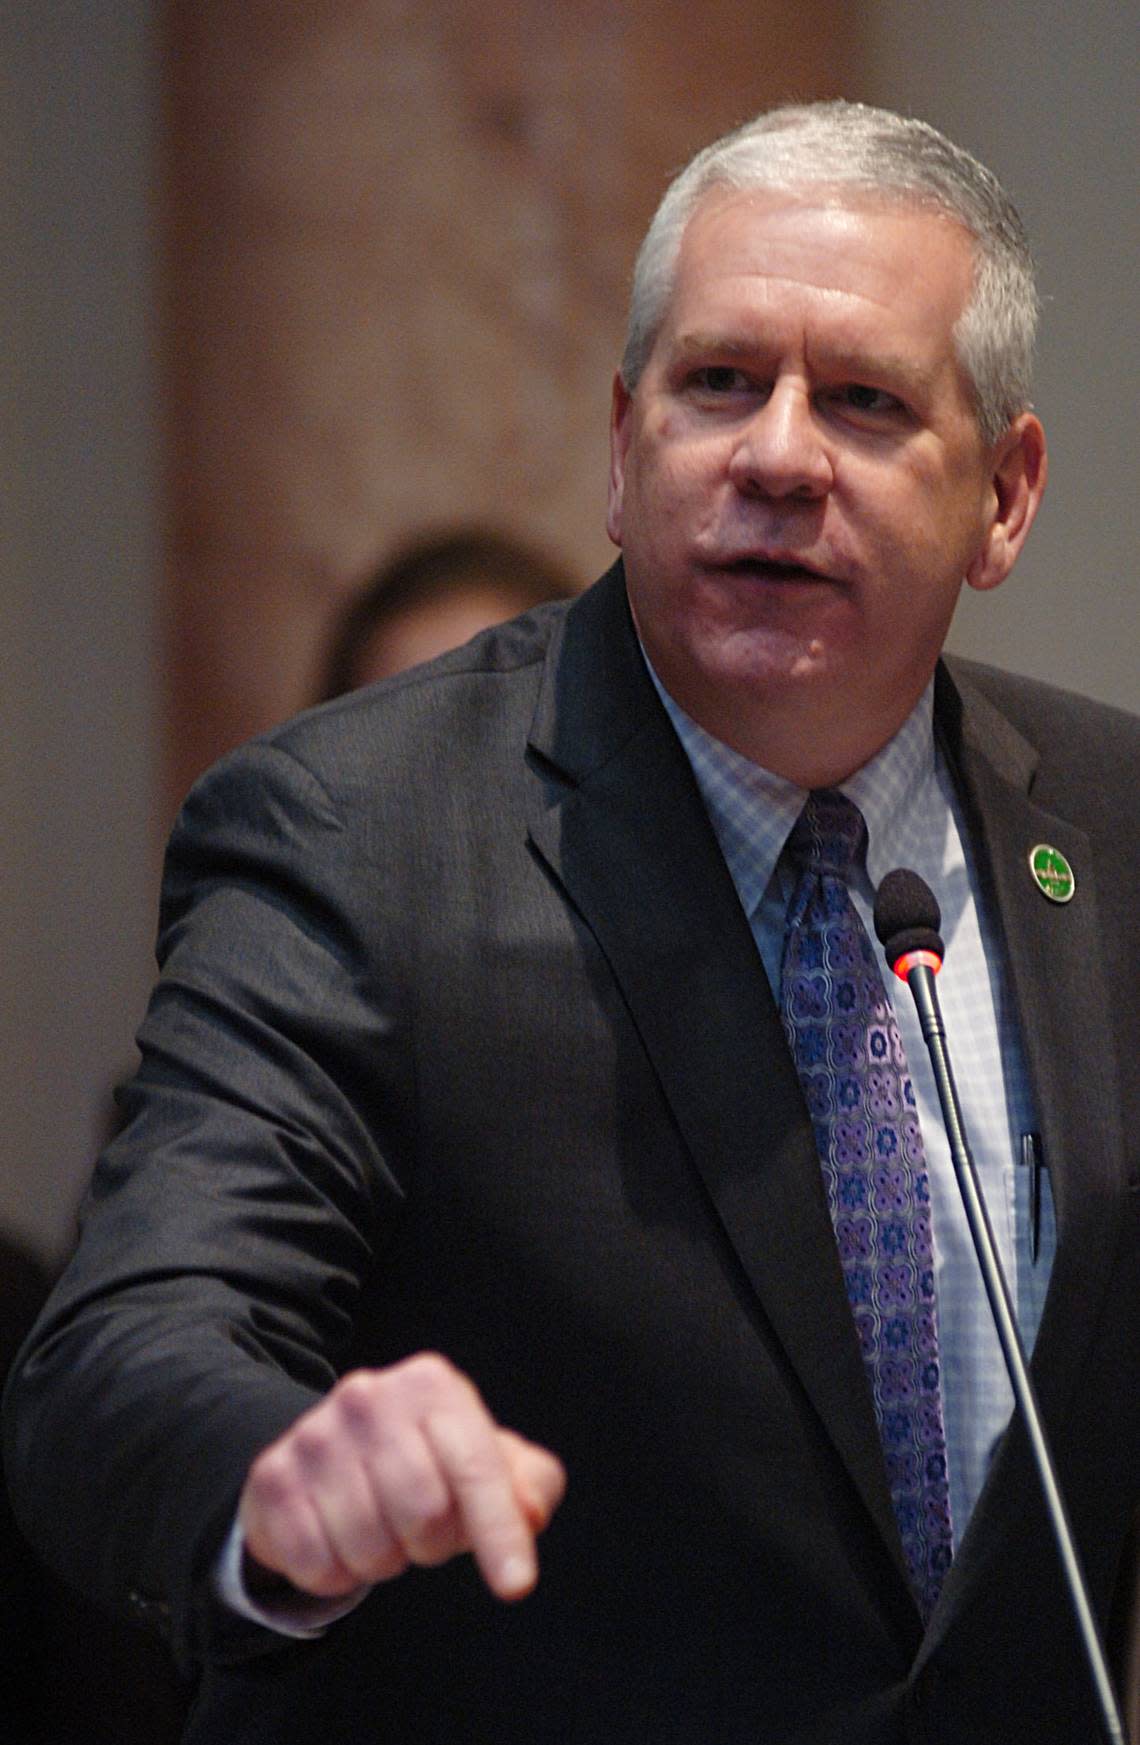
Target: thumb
537 1476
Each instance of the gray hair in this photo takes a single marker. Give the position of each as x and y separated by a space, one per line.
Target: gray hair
873 151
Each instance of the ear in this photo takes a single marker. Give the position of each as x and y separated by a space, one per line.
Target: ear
621 413
1017 483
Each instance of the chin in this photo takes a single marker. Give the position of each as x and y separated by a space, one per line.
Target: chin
770 659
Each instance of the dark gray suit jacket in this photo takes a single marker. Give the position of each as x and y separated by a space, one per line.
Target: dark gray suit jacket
461 1041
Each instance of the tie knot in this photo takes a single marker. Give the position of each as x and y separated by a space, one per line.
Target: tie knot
828 834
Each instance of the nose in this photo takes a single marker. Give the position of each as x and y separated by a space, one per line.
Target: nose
781 451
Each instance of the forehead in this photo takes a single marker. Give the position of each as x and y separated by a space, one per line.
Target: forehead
825 253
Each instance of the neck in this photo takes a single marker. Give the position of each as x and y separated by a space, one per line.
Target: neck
808 745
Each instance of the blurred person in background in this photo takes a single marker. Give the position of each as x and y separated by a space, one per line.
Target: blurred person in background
437 592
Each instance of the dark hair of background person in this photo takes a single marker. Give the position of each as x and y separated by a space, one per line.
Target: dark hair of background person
433 594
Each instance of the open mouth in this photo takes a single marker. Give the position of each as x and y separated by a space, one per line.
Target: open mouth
772 570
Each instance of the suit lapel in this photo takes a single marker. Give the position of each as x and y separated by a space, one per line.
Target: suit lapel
623 828
620 823
1057 979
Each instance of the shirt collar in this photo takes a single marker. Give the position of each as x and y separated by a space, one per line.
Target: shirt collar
753 811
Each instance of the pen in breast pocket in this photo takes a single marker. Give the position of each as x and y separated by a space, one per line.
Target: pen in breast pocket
1031 1158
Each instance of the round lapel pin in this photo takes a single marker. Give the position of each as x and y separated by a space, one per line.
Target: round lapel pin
1052 873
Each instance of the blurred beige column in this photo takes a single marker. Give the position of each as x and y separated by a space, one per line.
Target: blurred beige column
398 240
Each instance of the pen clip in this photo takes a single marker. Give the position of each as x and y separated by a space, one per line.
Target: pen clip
1031 1158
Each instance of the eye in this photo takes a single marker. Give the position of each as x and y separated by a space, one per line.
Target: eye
720 379
875 402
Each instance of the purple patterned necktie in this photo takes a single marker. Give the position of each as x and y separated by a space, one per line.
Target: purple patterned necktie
854 1073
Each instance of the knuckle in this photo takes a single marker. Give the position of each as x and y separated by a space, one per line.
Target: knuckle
356 1390
272 1480
429 1373
418 1385
313 1444
357 1398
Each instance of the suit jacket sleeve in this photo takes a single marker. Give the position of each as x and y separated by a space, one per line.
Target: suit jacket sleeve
230 1224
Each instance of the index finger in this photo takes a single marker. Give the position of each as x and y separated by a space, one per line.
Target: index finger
496 1528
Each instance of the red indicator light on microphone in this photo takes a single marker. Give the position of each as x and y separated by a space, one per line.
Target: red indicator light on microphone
909 960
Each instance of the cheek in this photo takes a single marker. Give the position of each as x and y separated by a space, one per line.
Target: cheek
666 454
686 480
661 493
946 486
664 425
922 510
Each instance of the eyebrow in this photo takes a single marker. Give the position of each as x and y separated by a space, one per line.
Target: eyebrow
839 360
696 344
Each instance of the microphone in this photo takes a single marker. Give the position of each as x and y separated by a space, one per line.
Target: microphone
907 919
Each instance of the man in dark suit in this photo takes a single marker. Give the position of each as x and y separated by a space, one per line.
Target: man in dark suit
468 1041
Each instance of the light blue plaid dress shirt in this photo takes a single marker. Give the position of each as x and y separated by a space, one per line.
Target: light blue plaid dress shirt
913 820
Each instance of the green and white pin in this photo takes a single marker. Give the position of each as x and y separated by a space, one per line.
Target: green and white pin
1052 873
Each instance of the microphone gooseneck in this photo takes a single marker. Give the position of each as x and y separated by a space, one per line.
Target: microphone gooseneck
907 919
